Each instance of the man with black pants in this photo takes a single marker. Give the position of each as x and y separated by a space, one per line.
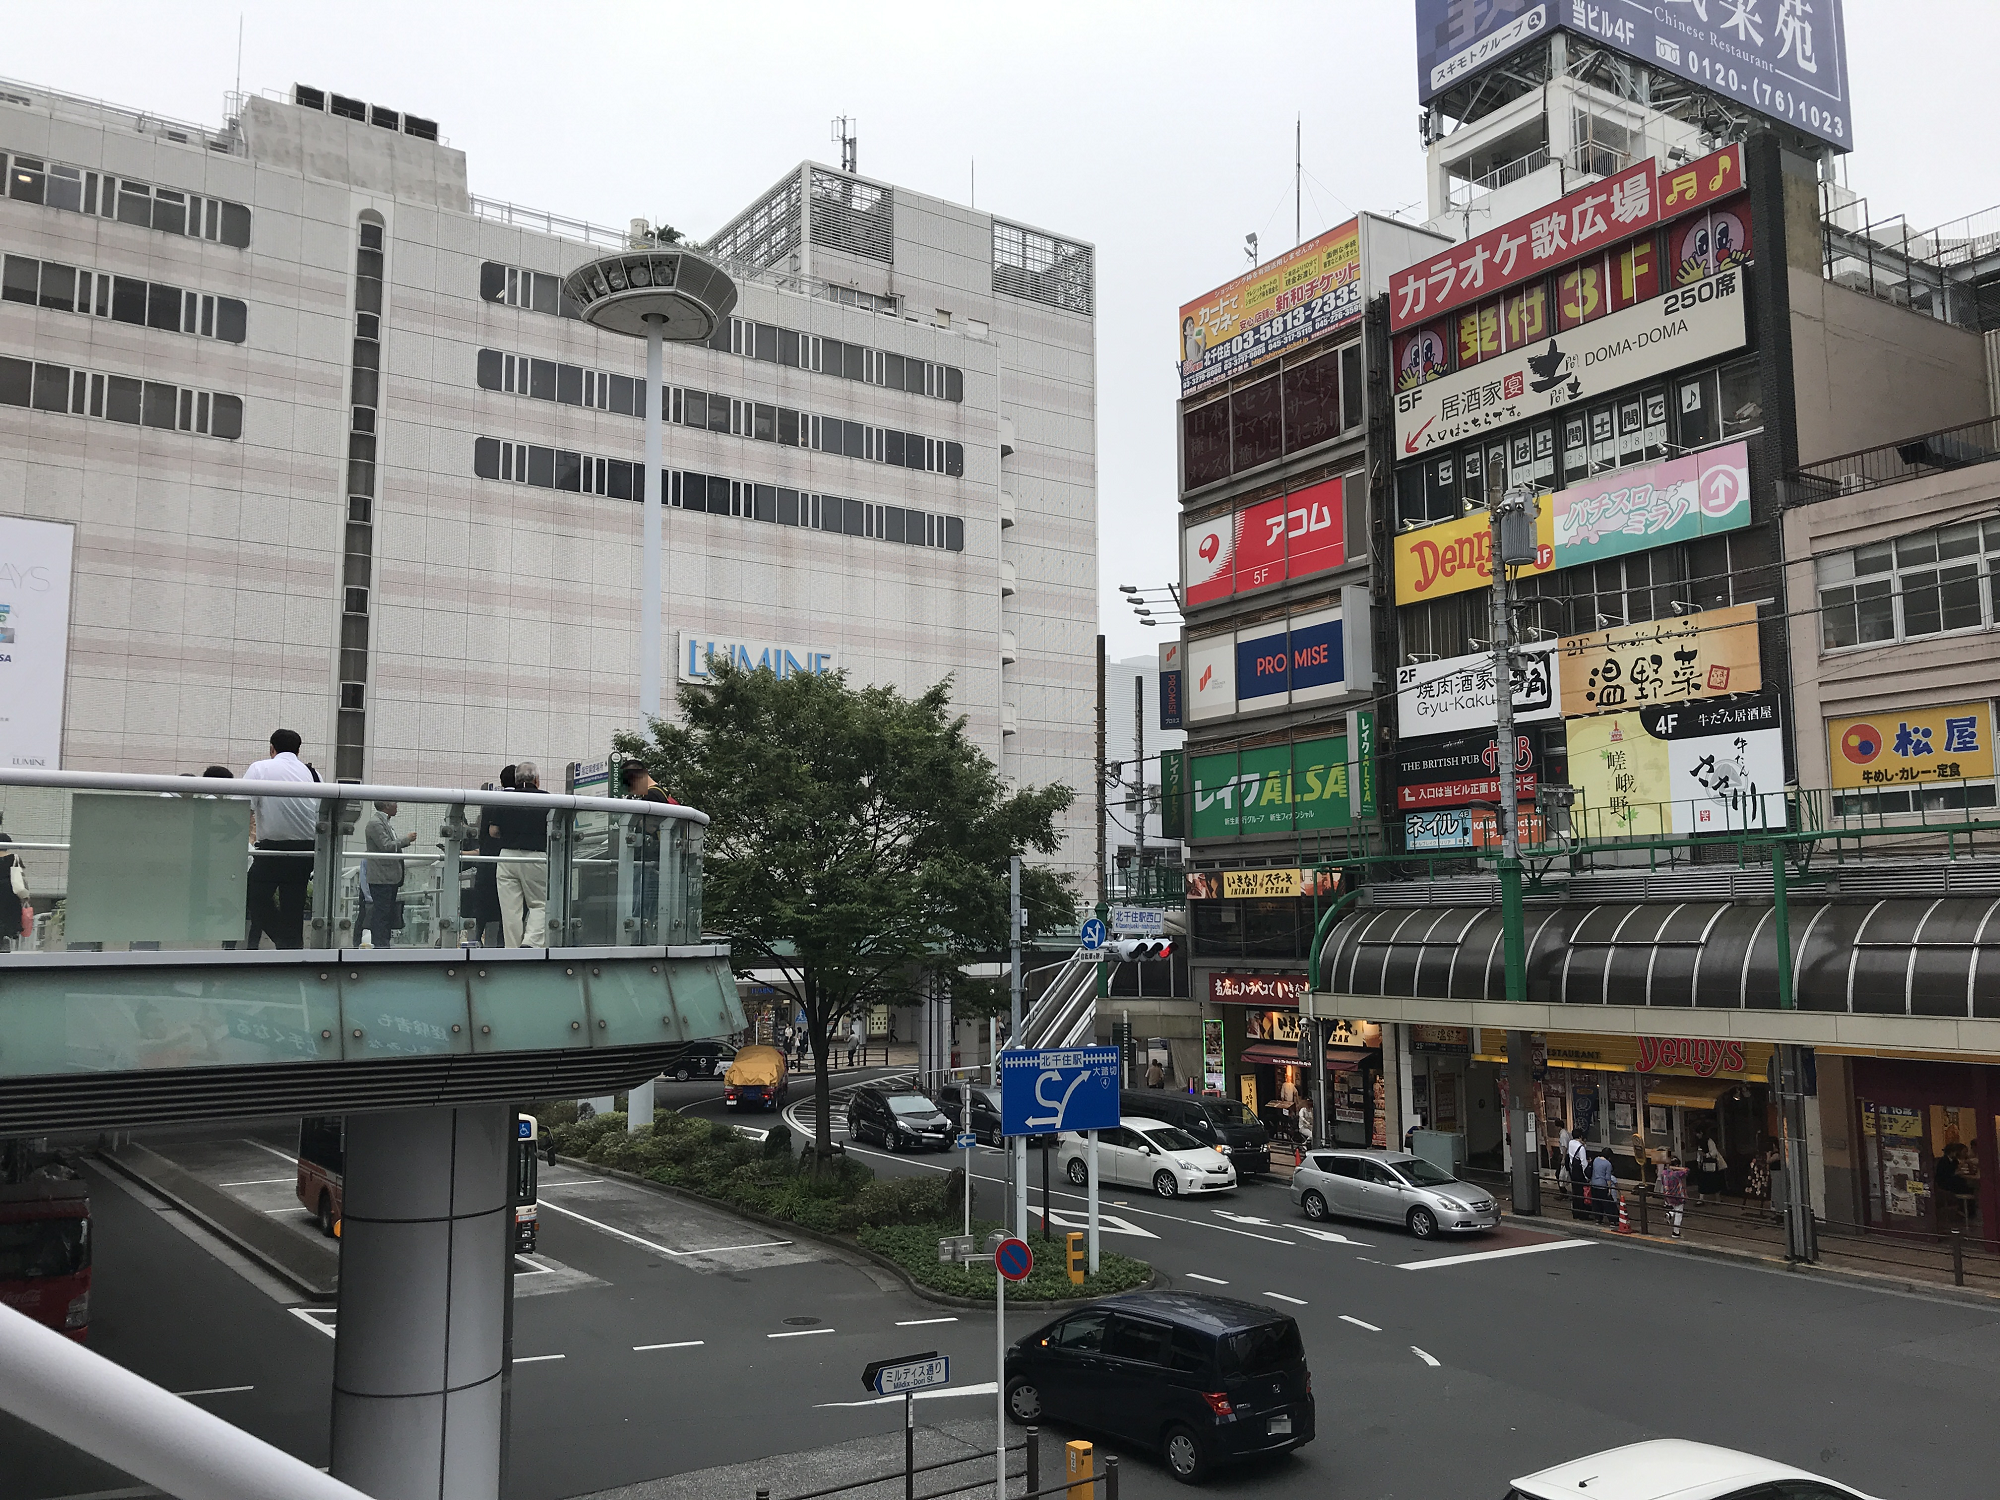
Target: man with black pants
523 878
283 829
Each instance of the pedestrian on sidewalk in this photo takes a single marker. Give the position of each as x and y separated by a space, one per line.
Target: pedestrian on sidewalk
1576 1161
283 830
1604 1188
1757 1181
1674 1192
857 1040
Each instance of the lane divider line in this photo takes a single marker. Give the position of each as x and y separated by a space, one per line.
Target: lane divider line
803 1333
258 1182
986 1388
683 1344
536 1359
659 1249
281 1155
1211 1280
1359 1324
1465 1260
1295 1301
1427 1359
922 1322
305 1316
216 1390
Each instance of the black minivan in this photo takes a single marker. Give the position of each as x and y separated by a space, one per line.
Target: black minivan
897 1120
1211 1119
1199 1380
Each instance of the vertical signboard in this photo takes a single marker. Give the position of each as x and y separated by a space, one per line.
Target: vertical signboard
1173 794
1170 685
1361 765
35 563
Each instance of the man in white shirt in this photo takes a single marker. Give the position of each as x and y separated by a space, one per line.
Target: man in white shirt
284 828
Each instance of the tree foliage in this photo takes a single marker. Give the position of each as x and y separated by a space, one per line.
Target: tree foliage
858 842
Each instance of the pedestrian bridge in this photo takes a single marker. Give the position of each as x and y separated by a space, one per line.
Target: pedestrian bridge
132 997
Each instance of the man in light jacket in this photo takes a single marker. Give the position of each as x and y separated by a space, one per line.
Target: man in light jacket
384 877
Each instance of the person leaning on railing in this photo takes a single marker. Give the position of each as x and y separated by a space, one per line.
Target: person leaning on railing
281 827
523 879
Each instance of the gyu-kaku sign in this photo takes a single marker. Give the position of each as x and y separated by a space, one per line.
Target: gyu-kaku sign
1057 1089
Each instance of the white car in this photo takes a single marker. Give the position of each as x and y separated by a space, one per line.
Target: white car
1670 1469
1148 1153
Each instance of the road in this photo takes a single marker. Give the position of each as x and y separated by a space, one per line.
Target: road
654 1337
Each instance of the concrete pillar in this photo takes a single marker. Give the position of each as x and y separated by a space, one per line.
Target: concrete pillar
639 1106
423 1302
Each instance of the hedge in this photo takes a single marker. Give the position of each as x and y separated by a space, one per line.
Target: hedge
913 1246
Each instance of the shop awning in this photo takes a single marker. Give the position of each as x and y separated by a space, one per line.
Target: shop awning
1694 1093
1271 1052
1347 1059
1898 957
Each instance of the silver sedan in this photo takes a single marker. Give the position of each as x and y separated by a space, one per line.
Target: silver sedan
1393 1187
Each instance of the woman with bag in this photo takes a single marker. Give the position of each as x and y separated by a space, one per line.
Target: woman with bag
13 898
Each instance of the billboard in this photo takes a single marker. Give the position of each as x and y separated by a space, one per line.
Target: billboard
1693 323
1173 794
1308 292
1270 789
1635 509
1459 770
1680 770
1703 655
1170 685
1593 217
1454 556
1468 828
1457 693
1263 545
1210 684
1909 746
1786 61
35 566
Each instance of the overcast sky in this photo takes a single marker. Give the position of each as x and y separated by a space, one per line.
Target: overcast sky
1159 132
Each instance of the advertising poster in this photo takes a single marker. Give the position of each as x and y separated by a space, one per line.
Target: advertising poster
1703 655
1579 364
1209 688
1301 295
1619 772
1240 883
1361 744
1634 510
1454 556
1459 770
35 565
1456 38
1301 659
1286 536
1173 794
1725 764
1457 694
1270 789
1256 989
1909 746
1467 828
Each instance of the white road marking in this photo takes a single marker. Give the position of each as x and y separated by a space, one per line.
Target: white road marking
798 1333
258 1182
922 1322
1427 1359
660 1249
1461 1260
1327 1235
216 1390
1211 1280
985 1389
289 1208
563 1182
1359 1324
683 1344
1106 1223
1295 1301
536 1359
281 1155
305 1315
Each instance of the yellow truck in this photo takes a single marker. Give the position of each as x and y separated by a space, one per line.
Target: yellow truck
757 1079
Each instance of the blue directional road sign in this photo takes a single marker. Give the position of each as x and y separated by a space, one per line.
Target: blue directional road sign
1093 934
966 1140
1074 1088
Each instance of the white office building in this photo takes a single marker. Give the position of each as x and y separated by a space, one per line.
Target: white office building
325 447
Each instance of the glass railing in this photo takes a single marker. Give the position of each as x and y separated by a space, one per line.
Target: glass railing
136 863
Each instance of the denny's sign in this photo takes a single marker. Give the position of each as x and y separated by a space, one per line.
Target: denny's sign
1454 556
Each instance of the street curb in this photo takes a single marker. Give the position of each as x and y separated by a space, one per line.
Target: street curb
1870 1280
855 1247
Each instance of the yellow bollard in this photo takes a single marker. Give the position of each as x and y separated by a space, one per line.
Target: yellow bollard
1079 1258
1079 1468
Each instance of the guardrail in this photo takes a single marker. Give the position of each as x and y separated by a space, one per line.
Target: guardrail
1097 1486
162 863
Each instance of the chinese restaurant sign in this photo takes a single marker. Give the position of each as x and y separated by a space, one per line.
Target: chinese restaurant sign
1908 746
1693 323
1702 655
1310 291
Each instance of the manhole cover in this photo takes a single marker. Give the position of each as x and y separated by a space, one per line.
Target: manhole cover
800 1322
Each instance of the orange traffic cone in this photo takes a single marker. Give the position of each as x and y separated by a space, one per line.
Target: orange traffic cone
1624 1216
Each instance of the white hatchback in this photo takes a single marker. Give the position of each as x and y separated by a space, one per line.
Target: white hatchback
1670 1469
1148 1153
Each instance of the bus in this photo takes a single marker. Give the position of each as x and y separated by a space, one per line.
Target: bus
45 1249
322 1158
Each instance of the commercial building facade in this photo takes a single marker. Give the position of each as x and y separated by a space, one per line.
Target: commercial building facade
327 448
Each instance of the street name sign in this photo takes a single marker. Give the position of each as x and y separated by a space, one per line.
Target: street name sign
906 1373
1138 921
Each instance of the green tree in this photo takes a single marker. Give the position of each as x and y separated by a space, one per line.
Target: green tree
858 842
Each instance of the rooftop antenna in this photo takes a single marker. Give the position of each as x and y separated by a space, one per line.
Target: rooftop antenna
843 132
239 58
1298 179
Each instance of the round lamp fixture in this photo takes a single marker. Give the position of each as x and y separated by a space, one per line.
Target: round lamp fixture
675 290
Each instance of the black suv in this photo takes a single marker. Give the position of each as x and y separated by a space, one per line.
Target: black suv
1210 1119
898 1119
985 1110
700 1060
1199 1380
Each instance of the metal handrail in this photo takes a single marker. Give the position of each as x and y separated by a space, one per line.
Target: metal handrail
339 791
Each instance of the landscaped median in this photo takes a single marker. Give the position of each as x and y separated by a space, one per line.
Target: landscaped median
897 1222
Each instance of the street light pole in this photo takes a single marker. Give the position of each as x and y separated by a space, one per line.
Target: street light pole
1513 515
649 564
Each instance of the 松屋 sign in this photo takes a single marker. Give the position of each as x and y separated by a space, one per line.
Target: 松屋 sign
696 651
1907 746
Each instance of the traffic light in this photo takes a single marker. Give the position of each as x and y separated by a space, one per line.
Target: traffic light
1134 950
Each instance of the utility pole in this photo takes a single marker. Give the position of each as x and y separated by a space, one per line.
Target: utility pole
1018 1153
1512 516
1139 778
1102 893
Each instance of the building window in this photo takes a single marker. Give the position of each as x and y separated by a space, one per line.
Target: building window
1933 582
119 398
124 299
1304 403
1041 268
517 286
825 356
170 210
